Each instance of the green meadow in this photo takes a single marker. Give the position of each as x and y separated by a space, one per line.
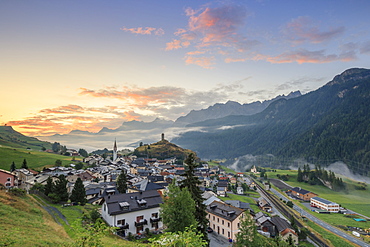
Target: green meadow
356 200
35 159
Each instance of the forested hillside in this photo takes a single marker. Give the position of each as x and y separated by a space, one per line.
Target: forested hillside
326 125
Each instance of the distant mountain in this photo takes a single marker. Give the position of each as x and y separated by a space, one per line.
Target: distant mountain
323 126
10 137
220 110
140 125
128 135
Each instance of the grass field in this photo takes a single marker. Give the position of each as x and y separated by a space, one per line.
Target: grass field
228 170
35 159
24 223
356 200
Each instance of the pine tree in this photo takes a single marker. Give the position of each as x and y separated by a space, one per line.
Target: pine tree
300 175
60 188
191 183
78 192
178 209
24 164
49 187
122 182
12 167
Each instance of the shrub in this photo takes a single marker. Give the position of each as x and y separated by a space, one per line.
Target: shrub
17 192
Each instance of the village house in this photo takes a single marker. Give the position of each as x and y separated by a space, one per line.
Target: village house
224 219
323 204
133 212
302 194
24 176
264 205
8 179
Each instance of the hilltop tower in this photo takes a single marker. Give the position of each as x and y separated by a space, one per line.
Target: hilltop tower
115 151
162 136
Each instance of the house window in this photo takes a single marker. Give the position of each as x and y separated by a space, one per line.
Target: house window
138 218
9 179
228 234
228 224
154 215
214 226
238 225
155 225
213 218
218 220
223 232
121 222
222 222
139 229
104 207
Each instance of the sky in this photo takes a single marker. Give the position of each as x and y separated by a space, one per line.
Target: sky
88 64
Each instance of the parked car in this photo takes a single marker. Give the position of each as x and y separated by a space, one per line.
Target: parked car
209 230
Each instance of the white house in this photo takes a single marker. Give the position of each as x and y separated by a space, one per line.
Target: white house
133 212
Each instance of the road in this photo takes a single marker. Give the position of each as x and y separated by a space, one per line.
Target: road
322 223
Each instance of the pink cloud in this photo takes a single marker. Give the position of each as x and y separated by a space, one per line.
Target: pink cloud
205 62
144 30
302 29
304 56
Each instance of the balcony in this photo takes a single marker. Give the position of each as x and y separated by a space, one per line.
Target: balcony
152 220
125 226
141 223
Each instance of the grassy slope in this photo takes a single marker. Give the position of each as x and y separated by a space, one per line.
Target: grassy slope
12 138
24 223
35 159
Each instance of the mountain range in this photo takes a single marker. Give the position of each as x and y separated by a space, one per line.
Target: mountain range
131 133
323 126
329 124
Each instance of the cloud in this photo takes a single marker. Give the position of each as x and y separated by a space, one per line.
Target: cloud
303 29
212 31
205 62
295 83
365 48
144 30
301 56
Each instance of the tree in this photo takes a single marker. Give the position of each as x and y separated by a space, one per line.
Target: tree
55 147
49 187
122 182
191 182
60 188
79 166
78 192
178 209
83 152
300 175
24 164
248 233
12 167
58 163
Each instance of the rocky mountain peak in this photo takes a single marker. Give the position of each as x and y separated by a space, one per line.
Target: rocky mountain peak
350 74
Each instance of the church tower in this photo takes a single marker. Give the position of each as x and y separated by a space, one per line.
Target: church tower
115 151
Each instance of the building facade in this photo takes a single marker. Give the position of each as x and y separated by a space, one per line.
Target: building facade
133 212
320 203
224 219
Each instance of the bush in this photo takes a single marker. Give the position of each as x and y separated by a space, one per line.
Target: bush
17 192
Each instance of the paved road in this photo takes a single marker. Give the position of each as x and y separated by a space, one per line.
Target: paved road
218 241
323 224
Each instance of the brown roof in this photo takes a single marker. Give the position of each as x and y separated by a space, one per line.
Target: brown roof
224 210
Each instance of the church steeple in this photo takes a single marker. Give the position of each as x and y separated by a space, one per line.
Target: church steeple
115 151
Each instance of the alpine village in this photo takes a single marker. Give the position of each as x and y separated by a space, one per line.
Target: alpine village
277 179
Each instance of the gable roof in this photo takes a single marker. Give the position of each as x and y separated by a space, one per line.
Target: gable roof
224 210
280 223
301 191
130 202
